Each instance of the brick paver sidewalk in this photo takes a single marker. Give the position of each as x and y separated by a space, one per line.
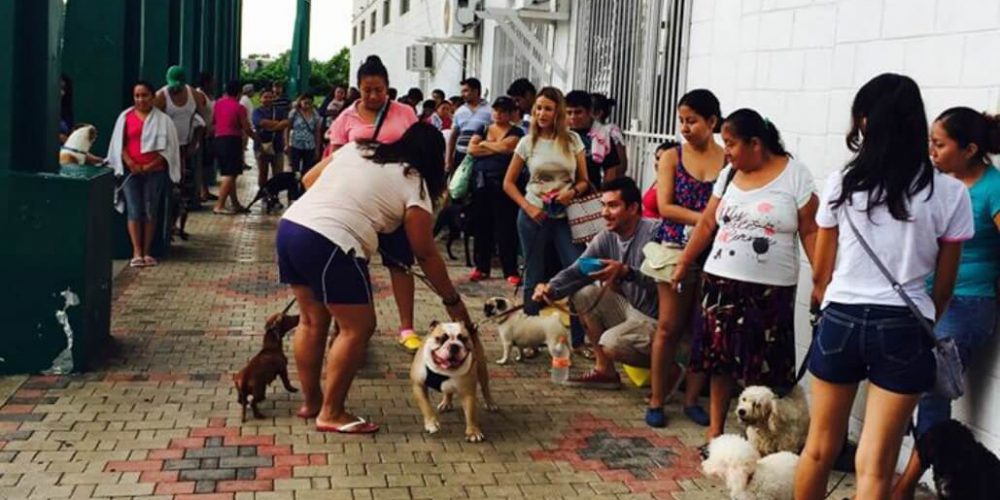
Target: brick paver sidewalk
161 418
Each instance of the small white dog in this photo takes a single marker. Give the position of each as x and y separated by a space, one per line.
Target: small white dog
520 331
747 475
774 424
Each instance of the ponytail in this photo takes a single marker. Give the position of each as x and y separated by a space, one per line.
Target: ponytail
746 124
968 126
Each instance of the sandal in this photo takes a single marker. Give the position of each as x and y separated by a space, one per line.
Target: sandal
359 426
222 211
149 261
655 417
410 341
137 262
584 351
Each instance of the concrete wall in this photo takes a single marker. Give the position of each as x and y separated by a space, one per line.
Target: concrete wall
799 63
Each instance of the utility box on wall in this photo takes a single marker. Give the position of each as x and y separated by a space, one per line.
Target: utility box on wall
59 239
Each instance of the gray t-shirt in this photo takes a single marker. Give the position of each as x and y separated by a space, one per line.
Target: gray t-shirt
640 291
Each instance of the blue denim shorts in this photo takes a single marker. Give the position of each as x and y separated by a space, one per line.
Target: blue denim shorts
144 195
884 344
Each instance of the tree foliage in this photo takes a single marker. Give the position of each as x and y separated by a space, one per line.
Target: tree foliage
323 75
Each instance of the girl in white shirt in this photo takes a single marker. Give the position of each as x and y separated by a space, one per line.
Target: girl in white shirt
762 205
914 218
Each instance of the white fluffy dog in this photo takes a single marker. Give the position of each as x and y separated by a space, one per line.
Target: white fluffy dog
774 424
520 331
747 475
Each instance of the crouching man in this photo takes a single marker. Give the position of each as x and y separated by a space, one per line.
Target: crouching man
620 315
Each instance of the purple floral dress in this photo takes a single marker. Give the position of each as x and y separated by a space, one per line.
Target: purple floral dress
689 193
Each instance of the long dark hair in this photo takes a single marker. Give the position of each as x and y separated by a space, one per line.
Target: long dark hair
889 138
421 148
373 67
703 102
746 124
968 126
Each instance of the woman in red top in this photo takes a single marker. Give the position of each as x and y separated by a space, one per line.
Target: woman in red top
144 187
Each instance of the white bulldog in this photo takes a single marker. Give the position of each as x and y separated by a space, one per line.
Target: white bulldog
446 363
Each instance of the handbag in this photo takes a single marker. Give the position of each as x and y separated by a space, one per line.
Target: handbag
584 216
458 186
948 381
659 261
267 147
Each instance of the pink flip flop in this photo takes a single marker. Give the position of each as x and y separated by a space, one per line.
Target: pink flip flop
359 426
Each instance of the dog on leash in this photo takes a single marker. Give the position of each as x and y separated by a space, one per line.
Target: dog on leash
454 216
450 362
774 424
747 475
519 331
270 363
963 467
77 147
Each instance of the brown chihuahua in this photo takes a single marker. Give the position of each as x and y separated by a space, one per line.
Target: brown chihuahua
268 364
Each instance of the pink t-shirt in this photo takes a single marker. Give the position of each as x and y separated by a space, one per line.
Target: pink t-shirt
349 127
227 119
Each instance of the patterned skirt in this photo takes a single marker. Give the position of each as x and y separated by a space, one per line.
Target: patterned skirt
746 330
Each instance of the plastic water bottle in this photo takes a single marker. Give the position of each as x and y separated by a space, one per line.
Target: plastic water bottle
560 361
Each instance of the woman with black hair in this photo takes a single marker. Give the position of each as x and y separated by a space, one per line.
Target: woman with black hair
66 122
915 219
325 241
358 122
761 207
685 178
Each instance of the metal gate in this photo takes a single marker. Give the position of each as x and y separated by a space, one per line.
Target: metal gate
635 51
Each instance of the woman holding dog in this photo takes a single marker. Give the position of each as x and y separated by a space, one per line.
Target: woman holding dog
685 177
361 121
890 196
144 148
961 140
761 207
557 167
325 242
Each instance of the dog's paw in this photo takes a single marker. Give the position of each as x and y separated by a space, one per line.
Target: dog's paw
432 426
445 405
492 406
502 361
474 435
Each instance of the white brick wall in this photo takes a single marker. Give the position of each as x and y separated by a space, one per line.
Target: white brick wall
799 62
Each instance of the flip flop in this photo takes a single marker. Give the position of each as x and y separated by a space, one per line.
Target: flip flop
411 342
359 426
137 262
149 261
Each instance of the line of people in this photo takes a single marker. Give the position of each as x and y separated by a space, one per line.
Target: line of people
716 257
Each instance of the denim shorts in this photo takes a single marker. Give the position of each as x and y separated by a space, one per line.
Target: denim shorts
144 195
884 344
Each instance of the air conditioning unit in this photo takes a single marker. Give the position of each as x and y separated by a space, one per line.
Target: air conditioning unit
557 7
460 18
420 57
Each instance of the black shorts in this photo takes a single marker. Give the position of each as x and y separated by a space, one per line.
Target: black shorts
229 153
308 258
395 249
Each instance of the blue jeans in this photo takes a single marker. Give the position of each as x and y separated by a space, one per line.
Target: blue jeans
971 321
881 343
535 238
144 195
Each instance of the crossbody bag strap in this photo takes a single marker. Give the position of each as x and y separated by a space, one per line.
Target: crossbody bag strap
926 325
380 119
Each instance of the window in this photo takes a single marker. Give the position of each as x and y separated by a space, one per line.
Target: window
404 6
354 35
374 17
362 30
386 7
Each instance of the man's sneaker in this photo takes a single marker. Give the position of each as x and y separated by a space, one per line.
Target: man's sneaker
477 275
594 379
514 280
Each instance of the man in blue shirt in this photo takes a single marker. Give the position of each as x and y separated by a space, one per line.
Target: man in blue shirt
472 117
270 122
